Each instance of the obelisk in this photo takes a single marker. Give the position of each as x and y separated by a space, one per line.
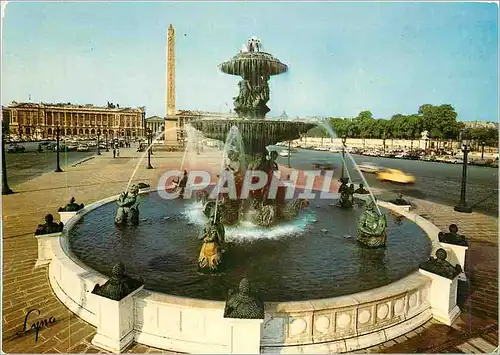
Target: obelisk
170 112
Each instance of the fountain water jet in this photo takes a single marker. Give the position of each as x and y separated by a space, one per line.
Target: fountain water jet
144 155
326 124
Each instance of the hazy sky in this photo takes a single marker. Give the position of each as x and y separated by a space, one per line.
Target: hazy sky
343 57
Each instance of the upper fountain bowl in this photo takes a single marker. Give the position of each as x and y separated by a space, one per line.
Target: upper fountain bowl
253 62
250 60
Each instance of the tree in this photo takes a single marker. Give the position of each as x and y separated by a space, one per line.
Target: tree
365 115
439 121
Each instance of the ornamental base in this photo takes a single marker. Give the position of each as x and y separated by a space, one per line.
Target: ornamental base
245 335
66 216
443 298
111 344
456 255
463 208
44 248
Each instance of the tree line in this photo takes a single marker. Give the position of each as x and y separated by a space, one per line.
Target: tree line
439 121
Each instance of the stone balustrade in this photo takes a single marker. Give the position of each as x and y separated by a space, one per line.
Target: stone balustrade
339 324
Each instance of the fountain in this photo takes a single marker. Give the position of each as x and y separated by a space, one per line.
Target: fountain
315 287
255 133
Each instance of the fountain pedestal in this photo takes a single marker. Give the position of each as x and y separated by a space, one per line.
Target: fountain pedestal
245 335
44 249
115 322
66 216
443 297
457 256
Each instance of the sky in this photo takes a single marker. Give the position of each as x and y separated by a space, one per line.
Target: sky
343 58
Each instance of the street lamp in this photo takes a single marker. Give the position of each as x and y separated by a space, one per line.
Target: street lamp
6 190
106 134
98 142
462 205
150 139
344 139
58 166
289 153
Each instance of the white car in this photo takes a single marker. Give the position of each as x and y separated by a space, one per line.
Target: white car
369 167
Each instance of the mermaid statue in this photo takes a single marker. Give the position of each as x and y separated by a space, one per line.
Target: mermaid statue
372 227
128 204
213 234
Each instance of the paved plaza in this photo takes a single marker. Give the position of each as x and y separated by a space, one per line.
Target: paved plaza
25 288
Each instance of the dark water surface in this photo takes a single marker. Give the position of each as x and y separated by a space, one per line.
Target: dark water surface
293 266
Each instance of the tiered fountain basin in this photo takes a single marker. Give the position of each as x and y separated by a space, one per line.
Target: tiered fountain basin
324 293
256 134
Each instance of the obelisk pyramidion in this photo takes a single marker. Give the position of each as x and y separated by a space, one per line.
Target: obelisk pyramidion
170 112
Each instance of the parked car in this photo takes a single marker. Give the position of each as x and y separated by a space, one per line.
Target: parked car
16 148
83 148
395 175
368 167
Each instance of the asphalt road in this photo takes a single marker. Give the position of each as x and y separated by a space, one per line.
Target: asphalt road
30 164
438 182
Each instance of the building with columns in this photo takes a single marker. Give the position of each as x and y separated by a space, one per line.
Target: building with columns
40 120
155 123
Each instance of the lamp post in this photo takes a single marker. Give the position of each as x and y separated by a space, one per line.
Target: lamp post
150 138
462 205
106 134
344 139
6 190
289 153
98 142
58 166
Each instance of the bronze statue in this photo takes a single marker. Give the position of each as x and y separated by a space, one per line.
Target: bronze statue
346 198
118 286
453 237
49 226
242 304
213 236
128 204
71 206
361 190
182 184
400 201
372 227
440 266
290 211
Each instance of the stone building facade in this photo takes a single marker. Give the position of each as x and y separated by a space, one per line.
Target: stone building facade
155 123
40 120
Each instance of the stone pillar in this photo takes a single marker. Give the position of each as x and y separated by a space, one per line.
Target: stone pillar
115 322
443 297
245 313
245 336
66 216
170 137
44 248
457 256
443 291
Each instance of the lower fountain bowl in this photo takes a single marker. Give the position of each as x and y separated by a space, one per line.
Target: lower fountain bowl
181 310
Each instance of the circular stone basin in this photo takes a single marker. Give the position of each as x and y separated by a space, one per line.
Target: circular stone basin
315 256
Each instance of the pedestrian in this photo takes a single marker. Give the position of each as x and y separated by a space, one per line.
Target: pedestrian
118 153
114 153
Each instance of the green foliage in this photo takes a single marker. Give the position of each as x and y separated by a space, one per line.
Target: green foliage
439 121
488 136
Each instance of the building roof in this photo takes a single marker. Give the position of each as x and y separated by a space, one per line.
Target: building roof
69 105
155 119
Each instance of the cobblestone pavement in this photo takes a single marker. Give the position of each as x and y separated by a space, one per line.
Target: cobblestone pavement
25 288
